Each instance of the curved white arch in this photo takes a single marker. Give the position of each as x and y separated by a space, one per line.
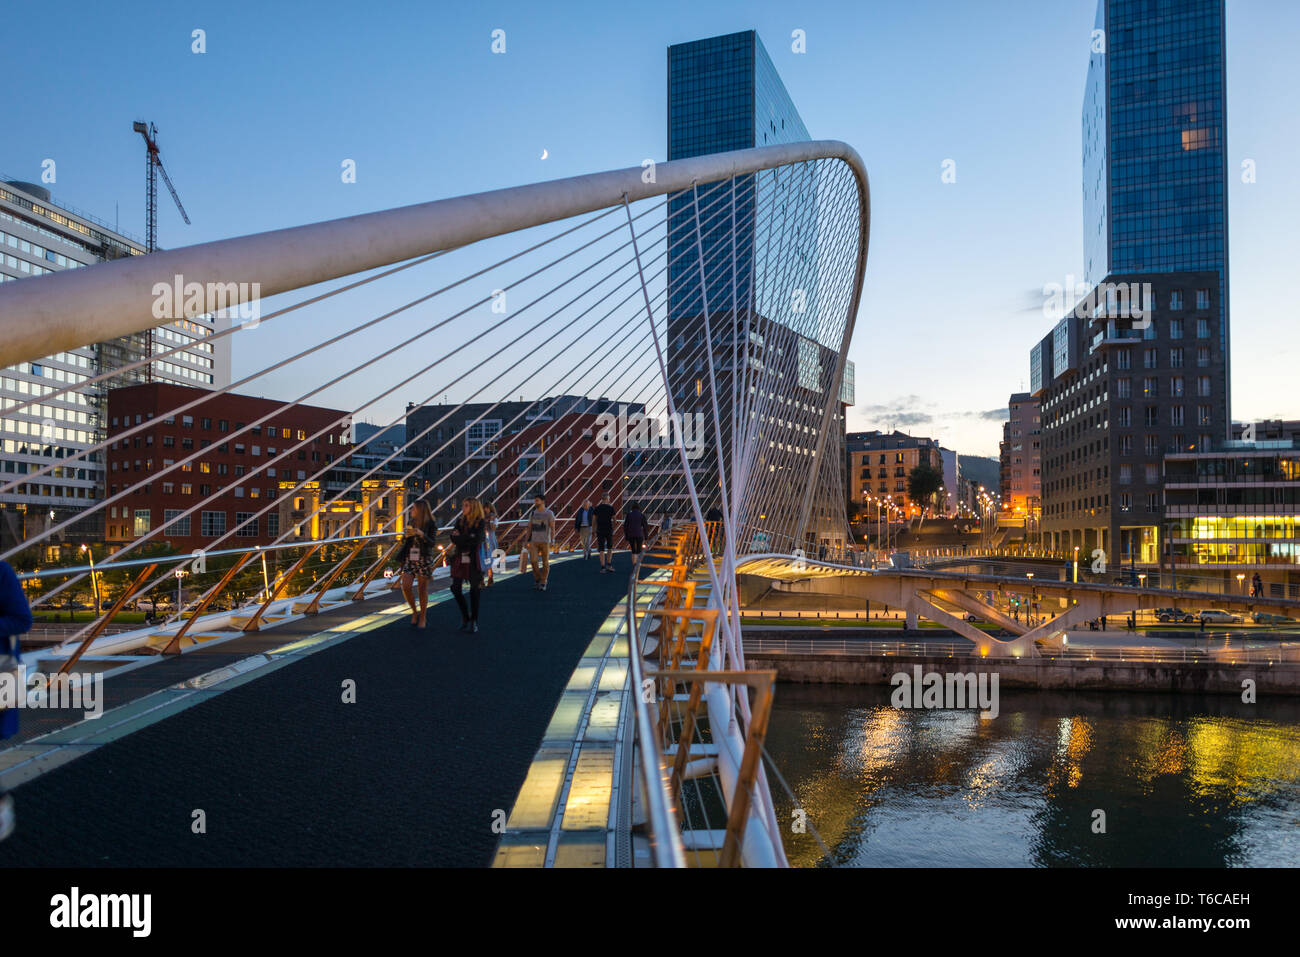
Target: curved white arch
66 310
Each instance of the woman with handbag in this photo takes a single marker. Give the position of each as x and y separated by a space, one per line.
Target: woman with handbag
468 536
489 542
417 556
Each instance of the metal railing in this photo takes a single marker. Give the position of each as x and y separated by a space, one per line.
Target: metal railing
1281 653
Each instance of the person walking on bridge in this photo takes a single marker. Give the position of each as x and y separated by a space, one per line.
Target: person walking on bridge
604 518
489 542
541 531
468 536
416 557
634 527
582 524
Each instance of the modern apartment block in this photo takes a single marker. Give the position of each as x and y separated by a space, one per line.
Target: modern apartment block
230 477
724 93
39 237
1138 367
1021 457
880 462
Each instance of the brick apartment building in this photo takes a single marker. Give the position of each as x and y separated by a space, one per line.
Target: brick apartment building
244 471
561 460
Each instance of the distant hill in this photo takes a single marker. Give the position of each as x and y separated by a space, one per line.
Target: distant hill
980 470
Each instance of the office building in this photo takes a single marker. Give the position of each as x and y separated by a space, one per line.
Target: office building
39 237
1138 367
724 93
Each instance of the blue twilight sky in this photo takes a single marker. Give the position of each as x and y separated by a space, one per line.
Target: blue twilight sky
254 131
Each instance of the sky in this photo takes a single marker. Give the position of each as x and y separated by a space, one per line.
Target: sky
254 131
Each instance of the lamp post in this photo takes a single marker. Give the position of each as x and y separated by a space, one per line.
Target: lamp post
1241 582
94 583
1076 564
180 573
266 583
1030 576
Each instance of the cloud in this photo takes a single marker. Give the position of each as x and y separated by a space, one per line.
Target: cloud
993 415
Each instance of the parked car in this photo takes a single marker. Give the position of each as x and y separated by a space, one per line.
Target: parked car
1218 617
973 618
1260 618
1174 614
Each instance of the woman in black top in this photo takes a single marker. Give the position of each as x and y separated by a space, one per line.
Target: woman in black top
467 538
417 556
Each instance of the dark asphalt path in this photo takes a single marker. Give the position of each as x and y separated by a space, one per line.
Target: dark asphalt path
442 734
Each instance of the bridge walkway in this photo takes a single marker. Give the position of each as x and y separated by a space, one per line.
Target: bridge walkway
441 736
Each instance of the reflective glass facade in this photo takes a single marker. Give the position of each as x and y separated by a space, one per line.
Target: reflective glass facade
1155 142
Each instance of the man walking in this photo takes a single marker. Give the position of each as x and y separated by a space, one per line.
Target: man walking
582 525
603 515
541 529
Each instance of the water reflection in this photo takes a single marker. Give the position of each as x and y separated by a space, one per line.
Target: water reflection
1183 781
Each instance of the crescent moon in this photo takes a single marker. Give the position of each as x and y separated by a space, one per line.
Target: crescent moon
545 153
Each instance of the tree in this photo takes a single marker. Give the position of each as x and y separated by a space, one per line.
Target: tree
923 483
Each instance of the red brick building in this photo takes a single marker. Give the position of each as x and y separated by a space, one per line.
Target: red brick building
561 460
246 469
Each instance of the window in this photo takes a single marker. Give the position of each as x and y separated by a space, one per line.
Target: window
207 424
213 524
1176 358
246 531
1202 356
273 525
1124 417
1203 417
1175 328
187 421
1176 386
1176 299
1152 473
1123 359
1202 328
1122 388
1125 501
1151 444
1149 388
1151 417
180 528
223 425
1203 386
1125 475
1126 445
1176 416
1149 360
141 523
257 450
1202 299
169 442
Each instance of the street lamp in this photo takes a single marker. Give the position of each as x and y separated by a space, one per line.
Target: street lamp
180 573
1076 564
94 584
1241 582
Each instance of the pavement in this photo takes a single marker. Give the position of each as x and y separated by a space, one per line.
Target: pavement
442 732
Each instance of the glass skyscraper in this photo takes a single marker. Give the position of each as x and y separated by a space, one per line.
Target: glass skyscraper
725 94
1155 143
1120 391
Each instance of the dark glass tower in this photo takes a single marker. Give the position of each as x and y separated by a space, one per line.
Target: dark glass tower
724 94
1119 392
1155 169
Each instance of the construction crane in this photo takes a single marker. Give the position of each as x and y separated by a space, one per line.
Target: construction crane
153 168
